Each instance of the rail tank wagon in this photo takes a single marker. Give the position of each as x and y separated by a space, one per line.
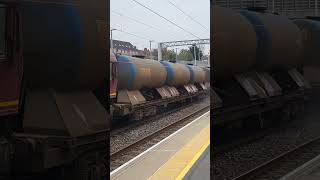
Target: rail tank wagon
147 86
234 43
279 43
257 63
55 62
136 73
63 51
310 30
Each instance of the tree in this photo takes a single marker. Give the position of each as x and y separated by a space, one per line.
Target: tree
169 55
155 54
185 55
197 52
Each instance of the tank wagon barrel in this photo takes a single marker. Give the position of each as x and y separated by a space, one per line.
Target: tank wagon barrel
145 86
279 41
53 69
249 40
257 60
234 43
197 74
177 74
135 73
310 30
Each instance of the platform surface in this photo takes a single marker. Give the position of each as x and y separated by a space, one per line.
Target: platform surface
200 170
174 157
308 171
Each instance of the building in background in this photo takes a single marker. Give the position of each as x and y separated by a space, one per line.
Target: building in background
291 8
126 48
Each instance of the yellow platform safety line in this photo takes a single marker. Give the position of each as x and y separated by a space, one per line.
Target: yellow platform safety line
9 103
182 161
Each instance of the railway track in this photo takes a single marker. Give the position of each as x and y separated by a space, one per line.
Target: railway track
246 139
133 149
230 146
132 124
284 163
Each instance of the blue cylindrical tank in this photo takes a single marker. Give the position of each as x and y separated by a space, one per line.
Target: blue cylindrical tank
197 75
177 74
135 73
279 43
310 30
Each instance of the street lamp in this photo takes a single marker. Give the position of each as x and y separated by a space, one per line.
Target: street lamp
111 41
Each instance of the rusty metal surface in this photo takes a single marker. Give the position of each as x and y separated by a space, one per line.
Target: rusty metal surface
177 74
135 73
133 97
199 74
234 43
70 114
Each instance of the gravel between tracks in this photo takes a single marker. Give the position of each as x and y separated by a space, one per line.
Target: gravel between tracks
232 163
120 140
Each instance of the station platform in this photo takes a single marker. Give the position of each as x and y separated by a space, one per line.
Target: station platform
308 171
184 154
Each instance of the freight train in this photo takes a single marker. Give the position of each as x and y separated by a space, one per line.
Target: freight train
52 69
258 62
143 87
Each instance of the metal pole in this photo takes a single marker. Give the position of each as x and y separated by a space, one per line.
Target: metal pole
111 42
176 54
199 54
209 59
150 51
159 52
195 55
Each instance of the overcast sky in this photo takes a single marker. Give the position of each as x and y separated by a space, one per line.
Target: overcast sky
160 30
